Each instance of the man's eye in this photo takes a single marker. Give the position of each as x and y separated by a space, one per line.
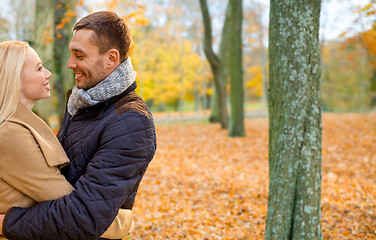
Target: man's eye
79 56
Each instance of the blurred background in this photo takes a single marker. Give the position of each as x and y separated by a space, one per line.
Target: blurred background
174 76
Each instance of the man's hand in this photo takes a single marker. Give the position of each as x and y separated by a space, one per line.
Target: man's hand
1 223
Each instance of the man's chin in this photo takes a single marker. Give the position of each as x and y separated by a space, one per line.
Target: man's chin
80 86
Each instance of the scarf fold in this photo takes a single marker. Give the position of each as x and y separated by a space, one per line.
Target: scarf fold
114 84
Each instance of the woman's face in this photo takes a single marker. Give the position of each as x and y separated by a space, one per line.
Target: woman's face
34 79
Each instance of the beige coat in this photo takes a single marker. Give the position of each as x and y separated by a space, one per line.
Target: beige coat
30 159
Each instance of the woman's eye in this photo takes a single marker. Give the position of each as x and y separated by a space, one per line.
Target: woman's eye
40 68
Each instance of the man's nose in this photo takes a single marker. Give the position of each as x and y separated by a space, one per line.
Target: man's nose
71 64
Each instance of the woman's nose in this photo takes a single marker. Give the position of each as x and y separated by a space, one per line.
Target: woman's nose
47 74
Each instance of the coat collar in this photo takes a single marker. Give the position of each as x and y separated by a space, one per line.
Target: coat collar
47 141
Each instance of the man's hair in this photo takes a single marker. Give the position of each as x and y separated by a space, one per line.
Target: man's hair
12 59
110 32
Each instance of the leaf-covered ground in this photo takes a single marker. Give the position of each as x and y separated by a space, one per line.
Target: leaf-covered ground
203 185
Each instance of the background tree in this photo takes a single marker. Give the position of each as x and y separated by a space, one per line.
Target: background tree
54 20
4 28
294 208
344 74
43 45
234 66
65 18
23 18
219 108
367 39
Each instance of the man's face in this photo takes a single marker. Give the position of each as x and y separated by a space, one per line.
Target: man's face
85 60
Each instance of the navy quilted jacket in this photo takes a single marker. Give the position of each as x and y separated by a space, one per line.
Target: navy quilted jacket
110 146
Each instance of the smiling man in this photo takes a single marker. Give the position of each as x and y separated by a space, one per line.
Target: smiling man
108 134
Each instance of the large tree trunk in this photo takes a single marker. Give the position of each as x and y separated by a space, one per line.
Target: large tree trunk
234 64
295 121
64 76
43 45
217 70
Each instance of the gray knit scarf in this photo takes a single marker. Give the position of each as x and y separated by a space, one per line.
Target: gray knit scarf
114 84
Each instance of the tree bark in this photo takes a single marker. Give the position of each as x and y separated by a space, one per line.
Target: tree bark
217 70
373 90
234 64
294 121
64 76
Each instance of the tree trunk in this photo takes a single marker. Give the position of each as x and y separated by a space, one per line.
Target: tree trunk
294 121
43 45
217 70
64 76
235 67
214 106
373 90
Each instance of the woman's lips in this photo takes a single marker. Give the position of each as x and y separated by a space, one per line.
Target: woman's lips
47 86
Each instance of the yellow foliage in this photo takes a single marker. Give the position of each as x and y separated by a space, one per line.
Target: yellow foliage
371 13
112 5
344 72
209 91
168 69
70 14
47 41
60 26
369 38
342 34
80 3
254 84
367 7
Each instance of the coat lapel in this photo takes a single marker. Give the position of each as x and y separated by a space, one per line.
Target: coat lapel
47 141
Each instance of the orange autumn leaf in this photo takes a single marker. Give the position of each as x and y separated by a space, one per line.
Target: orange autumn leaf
60 26
70 14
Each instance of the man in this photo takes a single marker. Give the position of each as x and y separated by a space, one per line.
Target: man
108 134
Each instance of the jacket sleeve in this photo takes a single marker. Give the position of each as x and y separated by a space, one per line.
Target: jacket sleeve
24 167
127 145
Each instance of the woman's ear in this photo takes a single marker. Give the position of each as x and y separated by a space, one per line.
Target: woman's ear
113 58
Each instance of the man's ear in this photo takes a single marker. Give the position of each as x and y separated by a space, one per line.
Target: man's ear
113 59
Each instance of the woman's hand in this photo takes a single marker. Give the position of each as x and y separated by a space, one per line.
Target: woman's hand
1 223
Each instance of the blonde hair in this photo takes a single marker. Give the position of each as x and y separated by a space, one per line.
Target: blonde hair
12 59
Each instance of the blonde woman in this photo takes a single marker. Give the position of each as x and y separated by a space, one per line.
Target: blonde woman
30 154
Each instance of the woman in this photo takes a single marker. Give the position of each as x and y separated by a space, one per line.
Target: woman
30 154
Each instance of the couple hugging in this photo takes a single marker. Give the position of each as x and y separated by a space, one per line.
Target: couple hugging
82 184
